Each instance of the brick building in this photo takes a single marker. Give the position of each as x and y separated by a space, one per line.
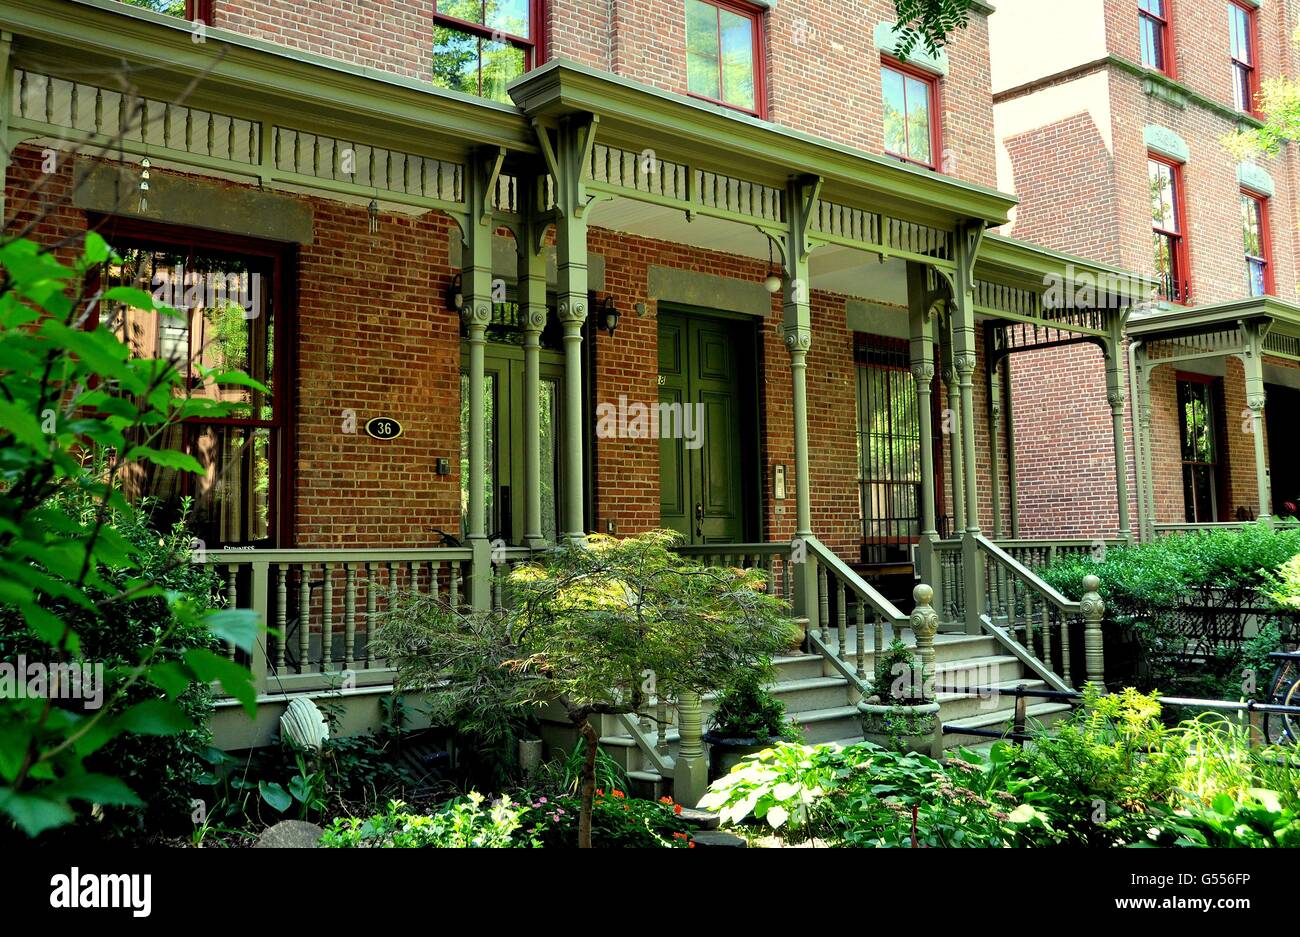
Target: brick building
489 240
1111 118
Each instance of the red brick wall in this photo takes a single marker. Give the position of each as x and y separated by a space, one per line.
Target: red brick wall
823 67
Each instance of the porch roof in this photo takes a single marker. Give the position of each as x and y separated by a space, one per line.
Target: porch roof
1171 322
678 127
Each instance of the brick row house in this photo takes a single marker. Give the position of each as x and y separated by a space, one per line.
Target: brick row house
518 270
1111 118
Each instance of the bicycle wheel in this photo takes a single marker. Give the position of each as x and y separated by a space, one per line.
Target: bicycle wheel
1284 728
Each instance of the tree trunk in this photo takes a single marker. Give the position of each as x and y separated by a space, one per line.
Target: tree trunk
592 739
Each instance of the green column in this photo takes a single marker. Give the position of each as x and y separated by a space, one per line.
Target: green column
476 284
1009 421
567 157
995 437
1142 443
952 427
1253 359
920 320
797 327
532 307
964 360
1115 396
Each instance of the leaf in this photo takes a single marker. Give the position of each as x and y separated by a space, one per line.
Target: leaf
154 717
275 795
24 425
95 250
777 816
131 296
170 677
166 458
235 679
33 813
96 789
300 788
236 625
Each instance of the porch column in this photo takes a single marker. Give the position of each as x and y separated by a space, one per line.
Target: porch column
476 285
995 434
532 307
1142 444
1253 359
922 359
951 428
1115 396
800 196
573 141
964 360
1009 421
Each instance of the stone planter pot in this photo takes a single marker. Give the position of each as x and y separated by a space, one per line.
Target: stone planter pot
725 754
801 636
899 728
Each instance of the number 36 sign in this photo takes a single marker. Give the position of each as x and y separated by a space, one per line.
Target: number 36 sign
384 427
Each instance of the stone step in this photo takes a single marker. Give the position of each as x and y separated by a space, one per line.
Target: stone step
1040 715
979 671
947 647
960 706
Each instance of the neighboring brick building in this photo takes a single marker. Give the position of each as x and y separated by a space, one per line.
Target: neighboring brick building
1095 103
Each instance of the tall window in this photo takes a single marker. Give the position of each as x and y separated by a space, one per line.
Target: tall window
1154 35
1241 32
1255 234
189 9
225 294
911 125
480 46
1167 229
724 54
1198 419
889 443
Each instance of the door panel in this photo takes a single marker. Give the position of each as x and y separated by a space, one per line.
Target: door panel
701 481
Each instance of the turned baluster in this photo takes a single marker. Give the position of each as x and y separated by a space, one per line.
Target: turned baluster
350 615
327 618
861 610
1047 634
823 600
841 624
232 600
304 617
372 603
281 614
1066 621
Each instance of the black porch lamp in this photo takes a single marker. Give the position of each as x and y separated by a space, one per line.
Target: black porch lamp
607 316
455 295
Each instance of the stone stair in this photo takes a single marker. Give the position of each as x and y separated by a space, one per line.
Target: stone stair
822 703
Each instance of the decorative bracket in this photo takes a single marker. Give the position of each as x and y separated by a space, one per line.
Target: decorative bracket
494 162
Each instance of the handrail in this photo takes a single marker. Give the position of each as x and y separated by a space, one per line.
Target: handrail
239 557
1027 576
664 764
862 589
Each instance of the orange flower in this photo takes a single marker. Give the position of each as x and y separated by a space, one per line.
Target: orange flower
665 800
600 792
619 794
677 809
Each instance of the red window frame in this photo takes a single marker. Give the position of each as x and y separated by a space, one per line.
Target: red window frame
534 47
936 123
1168 64
283 261
755 14
1179 253
1252 49
1265 257
199 10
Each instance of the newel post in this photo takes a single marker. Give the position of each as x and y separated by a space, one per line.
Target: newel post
925 624
691 770
1094 609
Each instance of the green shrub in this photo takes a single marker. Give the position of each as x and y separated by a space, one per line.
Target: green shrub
617 822
746 710
461 824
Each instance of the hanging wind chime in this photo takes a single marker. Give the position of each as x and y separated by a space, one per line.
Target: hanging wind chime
144 184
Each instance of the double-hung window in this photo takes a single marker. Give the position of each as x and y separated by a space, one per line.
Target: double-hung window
1155 36
480 46
1169 242
1198 431
1243 45
1255 235
911 126
724 54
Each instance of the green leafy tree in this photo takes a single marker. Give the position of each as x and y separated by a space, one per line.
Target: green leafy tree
599 628
1279 102
930 22
77 414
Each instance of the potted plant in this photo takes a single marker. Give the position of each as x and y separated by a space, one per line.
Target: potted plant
746 719
898 716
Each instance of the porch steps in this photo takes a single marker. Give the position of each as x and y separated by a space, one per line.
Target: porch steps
821 702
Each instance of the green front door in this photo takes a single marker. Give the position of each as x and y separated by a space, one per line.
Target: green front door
706 426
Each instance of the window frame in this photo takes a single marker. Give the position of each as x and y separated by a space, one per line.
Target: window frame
283 260
1168 57
933 91
535 48
1181 254
1265 240
199 11
756 15
1219 469
1252 41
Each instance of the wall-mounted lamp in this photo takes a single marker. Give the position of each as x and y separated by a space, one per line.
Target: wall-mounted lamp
773 281
455 295
607 316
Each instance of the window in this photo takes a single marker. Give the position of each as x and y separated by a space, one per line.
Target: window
1154 34
480 46
724 54
225 292
1255 234
1167 227
889 446
1241 32
189 9
911 127
1198 422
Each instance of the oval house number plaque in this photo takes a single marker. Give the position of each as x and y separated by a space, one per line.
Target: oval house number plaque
384 427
